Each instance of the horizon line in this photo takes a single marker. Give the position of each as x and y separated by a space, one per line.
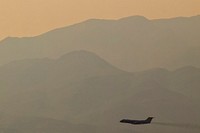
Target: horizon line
103 19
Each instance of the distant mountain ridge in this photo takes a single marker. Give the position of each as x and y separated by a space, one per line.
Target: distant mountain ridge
132 43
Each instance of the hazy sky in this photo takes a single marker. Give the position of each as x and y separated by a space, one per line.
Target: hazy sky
33 17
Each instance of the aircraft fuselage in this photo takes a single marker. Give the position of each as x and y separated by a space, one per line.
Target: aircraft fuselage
137 122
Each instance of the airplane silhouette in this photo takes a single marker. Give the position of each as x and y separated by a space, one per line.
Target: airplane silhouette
137 122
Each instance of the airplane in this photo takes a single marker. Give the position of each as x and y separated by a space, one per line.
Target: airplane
137 122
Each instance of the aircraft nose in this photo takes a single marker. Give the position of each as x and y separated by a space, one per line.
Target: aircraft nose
122 121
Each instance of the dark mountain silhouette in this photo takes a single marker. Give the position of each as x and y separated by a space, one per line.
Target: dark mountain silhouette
44 95
131 43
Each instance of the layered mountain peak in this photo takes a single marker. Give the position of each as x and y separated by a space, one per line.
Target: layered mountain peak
83 57
79 54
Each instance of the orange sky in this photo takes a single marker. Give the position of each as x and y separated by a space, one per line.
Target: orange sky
33 17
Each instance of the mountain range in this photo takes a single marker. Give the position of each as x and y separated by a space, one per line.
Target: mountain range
81 92
132 43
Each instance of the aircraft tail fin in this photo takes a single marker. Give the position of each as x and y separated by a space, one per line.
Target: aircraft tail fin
149 119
